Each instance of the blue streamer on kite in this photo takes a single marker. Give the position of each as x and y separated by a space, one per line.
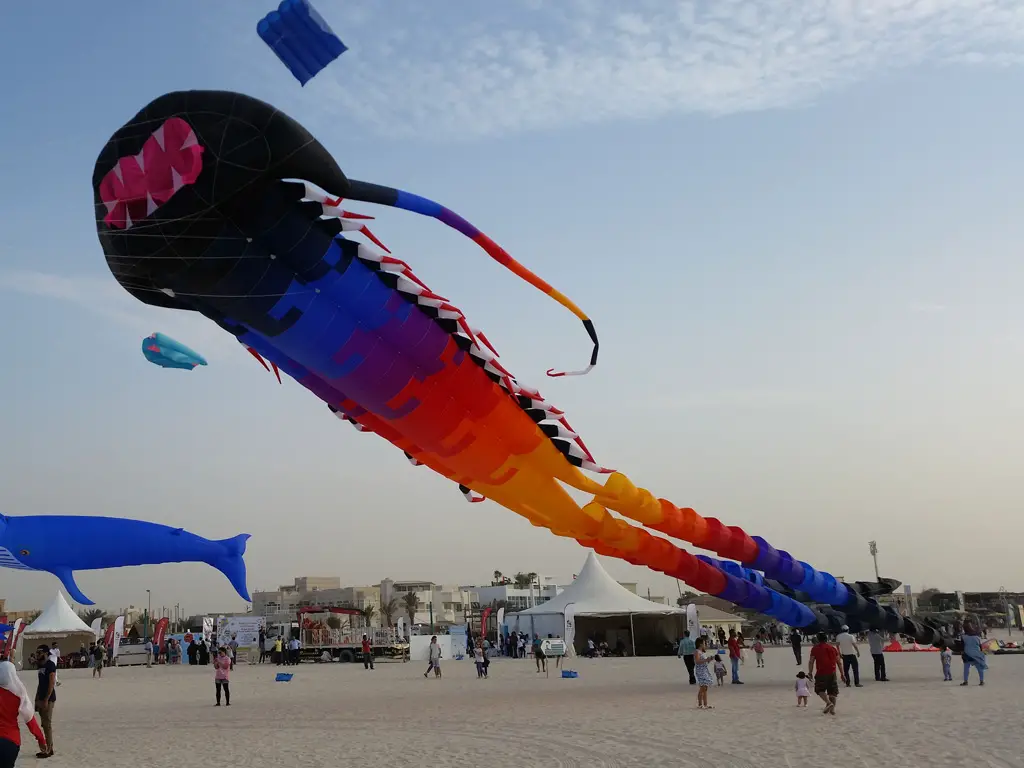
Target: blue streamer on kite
301 38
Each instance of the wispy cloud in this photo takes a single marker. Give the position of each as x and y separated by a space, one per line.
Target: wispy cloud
105 299
731 398
474 69
927 307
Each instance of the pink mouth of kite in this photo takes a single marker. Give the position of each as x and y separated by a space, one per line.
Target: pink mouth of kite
138 184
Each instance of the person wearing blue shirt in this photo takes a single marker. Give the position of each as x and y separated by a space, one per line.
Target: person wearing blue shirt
687 649
973 656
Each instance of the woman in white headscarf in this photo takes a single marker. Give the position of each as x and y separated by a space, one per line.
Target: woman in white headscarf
15 708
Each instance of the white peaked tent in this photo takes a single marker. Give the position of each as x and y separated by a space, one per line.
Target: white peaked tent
597 605
57 624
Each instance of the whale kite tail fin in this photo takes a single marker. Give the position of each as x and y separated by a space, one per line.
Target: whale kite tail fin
231 563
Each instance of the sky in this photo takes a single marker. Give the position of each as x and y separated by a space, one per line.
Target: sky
796 226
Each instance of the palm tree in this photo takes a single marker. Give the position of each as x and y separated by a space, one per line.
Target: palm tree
499 579
388 610
411 602
91 615
532 576
368 610
522 580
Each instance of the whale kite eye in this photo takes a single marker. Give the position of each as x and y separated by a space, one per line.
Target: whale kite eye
25 552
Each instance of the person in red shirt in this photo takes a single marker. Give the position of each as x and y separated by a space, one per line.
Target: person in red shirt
367 653
825 657
735 656
15 707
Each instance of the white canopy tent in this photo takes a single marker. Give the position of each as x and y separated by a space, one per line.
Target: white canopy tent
593 595
58 624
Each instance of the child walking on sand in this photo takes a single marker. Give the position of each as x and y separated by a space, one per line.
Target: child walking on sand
221 676
803 691
481 662
946 657
759 651
701 658
720 670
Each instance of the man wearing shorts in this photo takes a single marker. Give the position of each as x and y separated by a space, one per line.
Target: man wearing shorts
538 654
98 653
825 657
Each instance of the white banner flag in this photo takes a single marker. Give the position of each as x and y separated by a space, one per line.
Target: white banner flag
570 629
118 634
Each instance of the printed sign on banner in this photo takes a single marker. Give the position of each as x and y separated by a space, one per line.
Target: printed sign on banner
244 629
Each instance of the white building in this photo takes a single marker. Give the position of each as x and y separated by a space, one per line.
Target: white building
282 604
435 603
516 598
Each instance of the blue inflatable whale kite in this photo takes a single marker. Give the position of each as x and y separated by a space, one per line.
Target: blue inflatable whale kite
63 544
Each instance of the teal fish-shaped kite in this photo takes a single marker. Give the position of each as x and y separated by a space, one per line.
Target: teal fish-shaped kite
167 353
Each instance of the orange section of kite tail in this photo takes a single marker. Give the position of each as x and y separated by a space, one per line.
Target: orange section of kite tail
622 496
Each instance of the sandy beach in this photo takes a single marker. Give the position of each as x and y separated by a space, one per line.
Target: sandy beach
619 712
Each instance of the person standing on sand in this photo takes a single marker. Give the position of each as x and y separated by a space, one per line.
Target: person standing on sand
46 697
877 656
701 657
759 652
538 654
15 708
735 655
802 693
850 652
433 657
222 676
687 649
946 657
367 653
148 648
797 642
973 655
97 661
825 657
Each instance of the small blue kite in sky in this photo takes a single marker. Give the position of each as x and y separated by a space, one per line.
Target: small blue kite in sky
301 38
167 353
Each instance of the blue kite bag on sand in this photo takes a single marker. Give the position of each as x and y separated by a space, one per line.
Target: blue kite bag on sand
283 677
570 673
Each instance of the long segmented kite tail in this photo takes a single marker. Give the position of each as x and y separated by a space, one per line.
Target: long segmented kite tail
396 198
398 275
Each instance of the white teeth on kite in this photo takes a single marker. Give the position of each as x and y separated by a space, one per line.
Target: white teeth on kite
412 460
111 205
127 219
491 369
190 140
592 467
117 172
176 181
563 432
429 302
447 314
168 291
394 269
571 448
405 285
150 204
480 352
141 161
158 134
368 254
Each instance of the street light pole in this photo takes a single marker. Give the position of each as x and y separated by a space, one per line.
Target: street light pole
149 609
873 548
